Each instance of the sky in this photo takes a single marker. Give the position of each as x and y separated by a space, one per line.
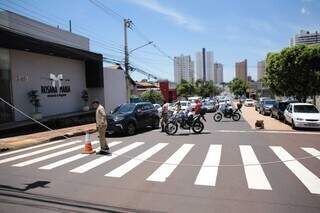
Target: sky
233 29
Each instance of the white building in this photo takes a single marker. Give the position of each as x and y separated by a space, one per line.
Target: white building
183 68
261 69
218 73
305 37
204 66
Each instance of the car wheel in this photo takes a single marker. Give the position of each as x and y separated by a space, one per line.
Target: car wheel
131 129
293 125
156 123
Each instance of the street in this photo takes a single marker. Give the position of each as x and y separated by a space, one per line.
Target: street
153 172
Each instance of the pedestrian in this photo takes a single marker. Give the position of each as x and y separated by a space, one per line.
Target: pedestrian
101 122
164 115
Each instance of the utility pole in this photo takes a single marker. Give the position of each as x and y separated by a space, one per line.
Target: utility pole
127 24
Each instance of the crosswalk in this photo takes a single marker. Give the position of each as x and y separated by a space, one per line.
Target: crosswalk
62 153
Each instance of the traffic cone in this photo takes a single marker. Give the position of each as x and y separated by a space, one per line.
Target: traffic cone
87 145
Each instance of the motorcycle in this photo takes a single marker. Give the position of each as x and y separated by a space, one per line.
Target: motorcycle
186 122
228 113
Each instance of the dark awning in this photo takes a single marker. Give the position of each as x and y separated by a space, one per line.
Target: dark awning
93 61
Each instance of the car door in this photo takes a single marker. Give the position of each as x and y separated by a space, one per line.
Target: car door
288 114
139 115
149 113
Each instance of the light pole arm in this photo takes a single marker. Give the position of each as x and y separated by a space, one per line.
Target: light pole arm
150 42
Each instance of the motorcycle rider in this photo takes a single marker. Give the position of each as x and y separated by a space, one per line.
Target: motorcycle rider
225 108
198 107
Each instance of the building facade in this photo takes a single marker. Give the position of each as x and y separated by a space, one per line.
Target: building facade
183 69
204 65
242 70
218 73
261 70
305 37
55 63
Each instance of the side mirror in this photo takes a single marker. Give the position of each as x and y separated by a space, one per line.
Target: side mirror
139 110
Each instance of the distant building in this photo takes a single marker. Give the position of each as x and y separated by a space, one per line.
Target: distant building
204 66
305 37
218 73
183 68
249 78
261 70
168 90
242 70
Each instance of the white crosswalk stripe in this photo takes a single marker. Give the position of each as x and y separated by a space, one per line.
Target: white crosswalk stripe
73 158
52 155
30 148
38 152
208 173
92 164
255 175
125 168
310 180
312 151
165 170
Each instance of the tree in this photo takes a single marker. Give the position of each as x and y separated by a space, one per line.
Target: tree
207 89
295 71
238 87
152 96
185 89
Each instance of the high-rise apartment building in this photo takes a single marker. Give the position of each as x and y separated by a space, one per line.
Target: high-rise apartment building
261 69
204 65
305 37
218 73
183 69
242 70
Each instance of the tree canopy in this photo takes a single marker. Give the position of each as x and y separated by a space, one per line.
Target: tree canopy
152 96
295 71
201 88
238 87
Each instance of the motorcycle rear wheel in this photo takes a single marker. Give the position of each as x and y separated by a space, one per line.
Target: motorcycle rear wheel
236 116
197 127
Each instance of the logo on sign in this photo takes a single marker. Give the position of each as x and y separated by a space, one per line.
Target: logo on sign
56 89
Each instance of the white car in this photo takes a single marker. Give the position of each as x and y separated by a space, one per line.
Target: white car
302 115
249 102
186 106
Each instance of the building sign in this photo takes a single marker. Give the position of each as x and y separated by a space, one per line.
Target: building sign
56 89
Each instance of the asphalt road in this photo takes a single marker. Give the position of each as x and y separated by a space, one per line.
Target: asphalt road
57 178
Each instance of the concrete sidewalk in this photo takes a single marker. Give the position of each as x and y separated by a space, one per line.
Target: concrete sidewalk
251 116
17 142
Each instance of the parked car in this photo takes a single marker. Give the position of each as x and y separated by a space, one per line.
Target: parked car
266 105
158 108
258 103
128 118
302 115
249 102
277 111
209 106
186 105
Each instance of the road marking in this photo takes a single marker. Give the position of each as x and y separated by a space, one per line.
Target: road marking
312 151
32 147
255 175
38 152
310 180
94 163
208 173
73 158
165 170
268 132
125 168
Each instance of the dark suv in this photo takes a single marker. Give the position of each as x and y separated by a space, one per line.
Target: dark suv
278 109
266 105
127 118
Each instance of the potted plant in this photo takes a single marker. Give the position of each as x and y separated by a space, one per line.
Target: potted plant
85 98
35 101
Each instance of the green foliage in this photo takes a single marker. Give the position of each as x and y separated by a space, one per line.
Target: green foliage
200 88
238 87
34 99
152 96
295 71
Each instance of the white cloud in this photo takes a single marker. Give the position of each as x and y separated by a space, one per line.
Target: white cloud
305 11
178 18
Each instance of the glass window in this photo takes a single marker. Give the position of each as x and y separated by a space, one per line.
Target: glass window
305 109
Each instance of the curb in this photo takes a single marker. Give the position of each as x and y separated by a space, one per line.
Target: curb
60 137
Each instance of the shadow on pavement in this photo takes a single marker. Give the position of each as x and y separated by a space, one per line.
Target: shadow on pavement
37 184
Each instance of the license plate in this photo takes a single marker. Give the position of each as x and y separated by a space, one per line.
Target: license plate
311 124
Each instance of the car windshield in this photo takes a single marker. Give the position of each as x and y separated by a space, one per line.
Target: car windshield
183 103
269 102
125 108
305 109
